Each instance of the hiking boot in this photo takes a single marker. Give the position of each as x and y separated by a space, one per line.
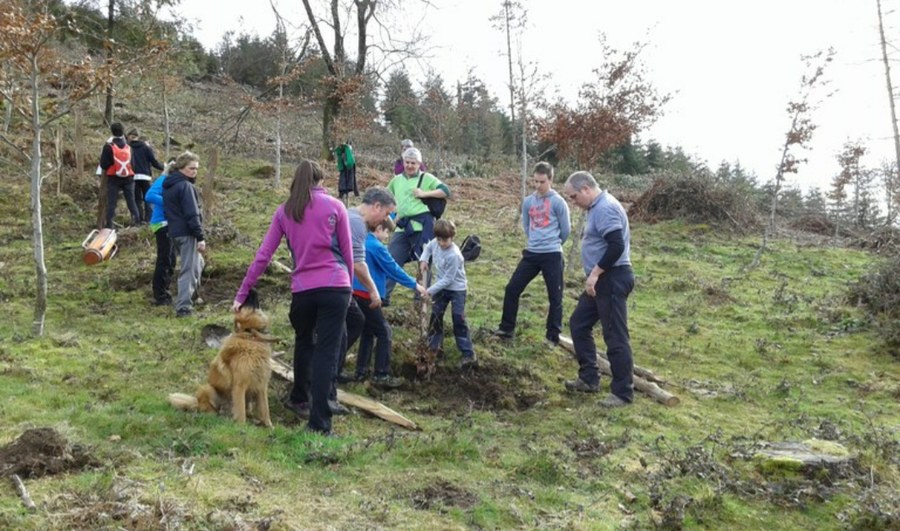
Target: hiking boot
337 408
580 386
502 334
187 312
162 302
468 363
611 401
387 381
301 409
350 377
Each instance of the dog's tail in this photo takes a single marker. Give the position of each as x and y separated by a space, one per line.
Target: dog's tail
183 401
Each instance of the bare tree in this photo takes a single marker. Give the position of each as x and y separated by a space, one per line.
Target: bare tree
27 33
799 134
512 17
347 73
890 86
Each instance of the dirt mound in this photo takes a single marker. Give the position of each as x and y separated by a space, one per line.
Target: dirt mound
43 451
493 386
443 494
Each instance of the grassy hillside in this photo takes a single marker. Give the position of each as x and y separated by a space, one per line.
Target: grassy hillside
773 354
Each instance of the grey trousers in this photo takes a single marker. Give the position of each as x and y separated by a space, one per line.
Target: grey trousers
189 274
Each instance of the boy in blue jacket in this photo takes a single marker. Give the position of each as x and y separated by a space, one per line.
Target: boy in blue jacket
165 251
377 331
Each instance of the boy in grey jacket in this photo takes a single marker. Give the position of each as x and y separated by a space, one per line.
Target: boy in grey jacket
545 219
449 288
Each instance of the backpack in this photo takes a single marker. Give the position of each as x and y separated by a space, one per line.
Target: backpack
436 205
121 166
471 247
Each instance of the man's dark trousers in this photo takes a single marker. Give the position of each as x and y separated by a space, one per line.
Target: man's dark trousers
113 185
352 329
610 307
550 265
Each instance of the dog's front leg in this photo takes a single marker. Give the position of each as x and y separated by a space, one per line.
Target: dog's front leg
262 407
239 401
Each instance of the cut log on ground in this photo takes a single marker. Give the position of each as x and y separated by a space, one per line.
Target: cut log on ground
648 388
364 403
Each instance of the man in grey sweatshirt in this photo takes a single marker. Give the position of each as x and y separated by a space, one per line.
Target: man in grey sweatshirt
545 218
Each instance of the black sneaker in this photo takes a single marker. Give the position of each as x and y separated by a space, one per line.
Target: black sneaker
387 382
612 401
578 385
468 363
300 409
350 377
184 313
337 408
502 334
162 302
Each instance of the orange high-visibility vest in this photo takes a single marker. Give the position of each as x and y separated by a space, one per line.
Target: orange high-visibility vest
121 166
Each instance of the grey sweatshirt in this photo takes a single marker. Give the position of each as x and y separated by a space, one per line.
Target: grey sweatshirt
546 222
450 274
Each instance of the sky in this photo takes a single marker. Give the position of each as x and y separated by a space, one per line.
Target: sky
731 67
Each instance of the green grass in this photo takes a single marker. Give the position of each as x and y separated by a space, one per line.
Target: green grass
771 354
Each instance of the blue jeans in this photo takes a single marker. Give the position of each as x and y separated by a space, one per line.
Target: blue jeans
610 307
441 300
550 265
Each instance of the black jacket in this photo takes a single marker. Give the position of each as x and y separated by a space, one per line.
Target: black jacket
181 203
143 158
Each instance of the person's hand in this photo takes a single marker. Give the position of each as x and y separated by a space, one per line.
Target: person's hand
201 246
419 193
591 281
420 289
236 306
423 267
374 301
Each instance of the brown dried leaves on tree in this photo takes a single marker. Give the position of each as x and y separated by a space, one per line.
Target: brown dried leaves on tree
618 104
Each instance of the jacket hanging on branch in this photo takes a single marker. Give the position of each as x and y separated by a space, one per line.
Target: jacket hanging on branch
346 165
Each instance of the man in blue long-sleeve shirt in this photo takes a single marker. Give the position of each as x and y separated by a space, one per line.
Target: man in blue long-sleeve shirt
545 219
606 257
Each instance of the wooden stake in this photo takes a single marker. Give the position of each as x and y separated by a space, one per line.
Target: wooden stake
23 492
648 388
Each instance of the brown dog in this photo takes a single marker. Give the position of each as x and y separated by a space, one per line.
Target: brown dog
239 373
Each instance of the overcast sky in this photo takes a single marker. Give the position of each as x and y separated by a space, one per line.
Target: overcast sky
732 67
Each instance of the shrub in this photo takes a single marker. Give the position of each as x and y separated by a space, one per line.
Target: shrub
879 293
695 200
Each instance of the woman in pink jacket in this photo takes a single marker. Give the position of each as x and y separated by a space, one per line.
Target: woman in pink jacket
317 231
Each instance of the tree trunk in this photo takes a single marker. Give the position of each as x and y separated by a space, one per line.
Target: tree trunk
512 88
575 238
79 142
208 187
166 118
57 151
277 182
330 111
890 86
108 109
40 267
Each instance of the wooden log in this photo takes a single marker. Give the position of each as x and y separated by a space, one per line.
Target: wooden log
23 492
366 404
648 388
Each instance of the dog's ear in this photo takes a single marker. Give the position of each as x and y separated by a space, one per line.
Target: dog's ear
252 301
